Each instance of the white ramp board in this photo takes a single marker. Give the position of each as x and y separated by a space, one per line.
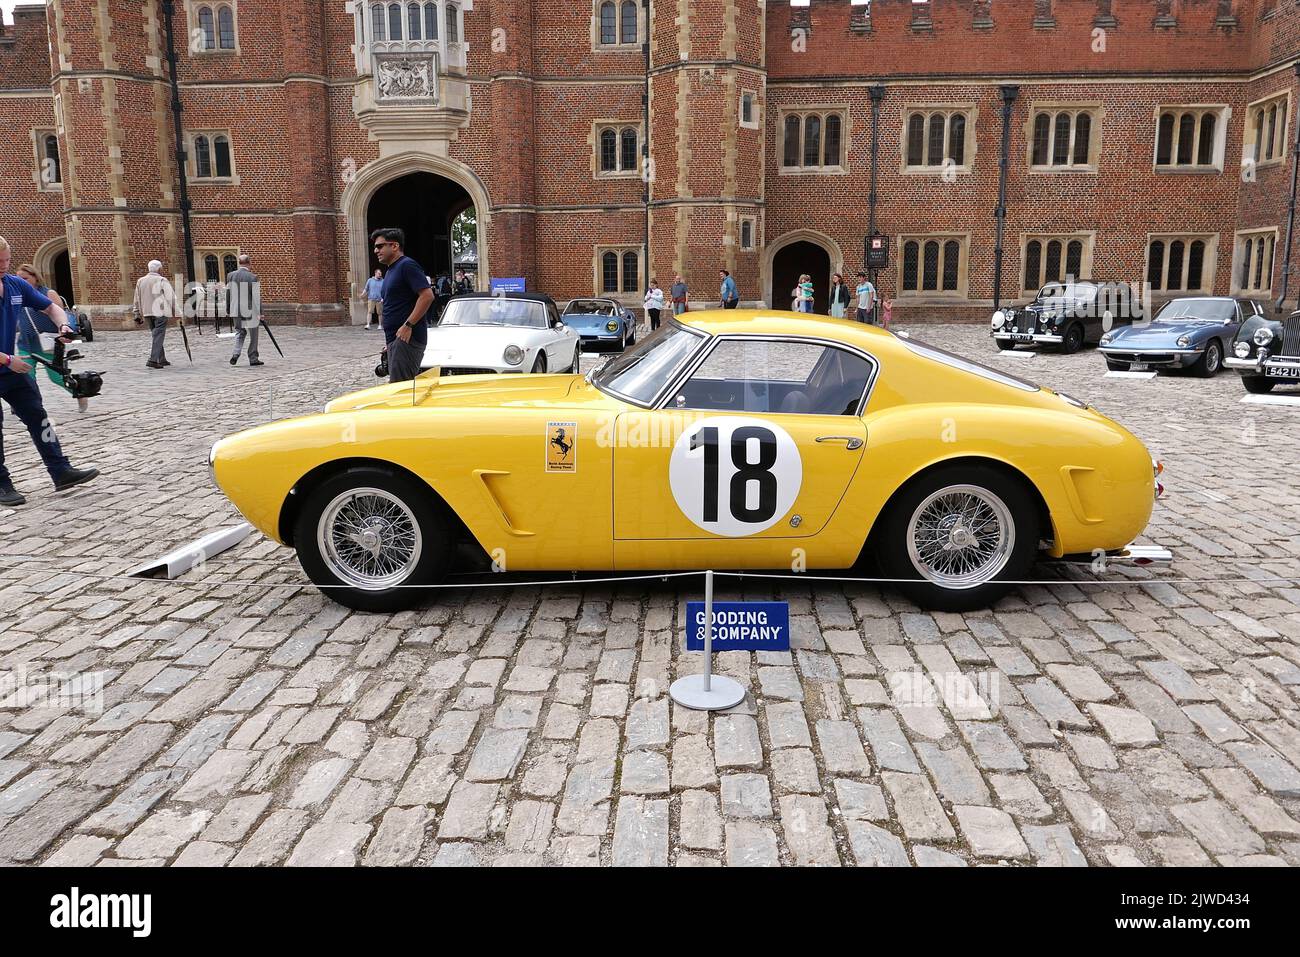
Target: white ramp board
1130 375
1252 399
1016 353
178 562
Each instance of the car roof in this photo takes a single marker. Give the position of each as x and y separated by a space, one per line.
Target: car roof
778 322
591 299
525 296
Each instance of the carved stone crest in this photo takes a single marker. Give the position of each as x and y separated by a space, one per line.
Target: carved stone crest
406 77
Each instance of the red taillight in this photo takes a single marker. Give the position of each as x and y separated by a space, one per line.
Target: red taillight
1160 489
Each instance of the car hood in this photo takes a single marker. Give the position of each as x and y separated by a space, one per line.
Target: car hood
1164 331
477 345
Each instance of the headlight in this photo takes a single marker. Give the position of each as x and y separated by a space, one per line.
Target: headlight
611 326
513 355
1184 342
999 319
1242 349
1107 339
1263 336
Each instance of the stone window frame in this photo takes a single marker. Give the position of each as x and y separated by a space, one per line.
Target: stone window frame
192 8
618 126
1095 111
1249 139
1208 268
970 141
963 266
753 233
39 155
221 252
619 47
626 296
1087 237
1223 115
191 158
756 119
804 112
1269 235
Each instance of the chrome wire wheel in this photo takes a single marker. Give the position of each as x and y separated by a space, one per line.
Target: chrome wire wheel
369 538
960 536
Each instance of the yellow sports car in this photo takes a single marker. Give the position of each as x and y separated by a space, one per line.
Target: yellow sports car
734 439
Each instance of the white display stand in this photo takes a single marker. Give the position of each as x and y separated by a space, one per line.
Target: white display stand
707 691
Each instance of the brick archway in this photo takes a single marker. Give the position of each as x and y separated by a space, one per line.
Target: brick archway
355 203
778 299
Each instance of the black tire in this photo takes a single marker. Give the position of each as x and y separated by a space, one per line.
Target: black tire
1210 362
434 539
539 364
1115 365
1258 384
577 355
890 541
1072 339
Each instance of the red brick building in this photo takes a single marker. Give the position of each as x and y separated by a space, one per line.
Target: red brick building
603 141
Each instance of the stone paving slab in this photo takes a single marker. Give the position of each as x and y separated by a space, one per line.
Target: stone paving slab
1149 717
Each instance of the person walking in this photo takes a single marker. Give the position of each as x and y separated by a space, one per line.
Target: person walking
244 307
462 284
730 296
839 296
18 387
654 303
407 297
32 323
155 301
866 292
679 294
374 299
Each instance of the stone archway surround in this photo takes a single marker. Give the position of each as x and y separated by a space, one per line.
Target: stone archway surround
355 202
831 247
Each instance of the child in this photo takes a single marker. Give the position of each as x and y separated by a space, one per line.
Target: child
887 313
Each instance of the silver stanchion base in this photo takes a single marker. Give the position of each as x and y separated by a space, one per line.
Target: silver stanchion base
723 693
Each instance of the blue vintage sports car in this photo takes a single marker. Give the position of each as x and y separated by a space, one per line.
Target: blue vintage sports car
601 323
1194 333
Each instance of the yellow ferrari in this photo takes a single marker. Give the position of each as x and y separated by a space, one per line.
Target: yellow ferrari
727 440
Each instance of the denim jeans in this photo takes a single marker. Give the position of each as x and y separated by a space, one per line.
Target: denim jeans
25 399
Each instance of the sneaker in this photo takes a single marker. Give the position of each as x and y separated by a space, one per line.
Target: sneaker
257 362
166 363
74 477
234 360
9 496
153 365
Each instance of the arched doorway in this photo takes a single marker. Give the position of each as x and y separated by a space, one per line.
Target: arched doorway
422 205
60 279
794 259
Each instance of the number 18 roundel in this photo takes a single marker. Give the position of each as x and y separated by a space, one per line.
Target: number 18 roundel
735 476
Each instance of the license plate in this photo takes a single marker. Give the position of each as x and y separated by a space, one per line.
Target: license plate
1023 336
1138 367
1277 372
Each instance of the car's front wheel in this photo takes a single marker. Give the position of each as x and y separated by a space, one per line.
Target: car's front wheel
540 364
955 535
577 355
1072 341
1210 362
1258 384
371 538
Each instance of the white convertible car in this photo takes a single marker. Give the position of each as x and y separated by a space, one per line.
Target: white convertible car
481 333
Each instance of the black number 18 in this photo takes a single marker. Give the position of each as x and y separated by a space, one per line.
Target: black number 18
746 472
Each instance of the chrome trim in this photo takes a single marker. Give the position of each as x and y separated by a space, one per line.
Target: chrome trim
700 358
852 441
1107 350
1033 337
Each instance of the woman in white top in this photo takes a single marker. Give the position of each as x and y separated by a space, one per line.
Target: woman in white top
654 301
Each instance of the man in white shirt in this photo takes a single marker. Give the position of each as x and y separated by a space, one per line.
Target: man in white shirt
155 302
866 298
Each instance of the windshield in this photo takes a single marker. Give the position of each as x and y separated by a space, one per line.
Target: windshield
495 312
640 373
935 354
589 307
1071 292
1203 310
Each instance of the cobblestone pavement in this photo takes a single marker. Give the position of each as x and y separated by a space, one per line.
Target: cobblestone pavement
1150 719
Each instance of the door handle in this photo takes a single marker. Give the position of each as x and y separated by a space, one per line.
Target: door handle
851 442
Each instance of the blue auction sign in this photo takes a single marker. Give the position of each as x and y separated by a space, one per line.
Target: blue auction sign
740 626
515 284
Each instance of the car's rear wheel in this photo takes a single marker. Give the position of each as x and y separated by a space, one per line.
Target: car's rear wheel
1114 365
540 364
1073 339
1210 362
956 534
370 537
1258 384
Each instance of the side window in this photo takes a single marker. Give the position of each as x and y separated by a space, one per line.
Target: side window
777 376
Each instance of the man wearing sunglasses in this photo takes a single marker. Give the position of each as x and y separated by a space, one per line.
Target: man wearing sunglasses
407 297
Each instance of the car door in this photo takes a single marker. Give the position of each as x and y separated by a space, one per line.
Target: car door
755 447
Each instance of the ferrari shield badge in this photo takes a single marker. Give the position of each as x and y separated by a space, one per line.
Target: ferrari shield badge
561 446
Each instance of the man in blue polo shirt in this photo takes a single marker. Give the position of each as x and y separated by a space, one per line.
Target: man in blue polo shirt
407 297
19 389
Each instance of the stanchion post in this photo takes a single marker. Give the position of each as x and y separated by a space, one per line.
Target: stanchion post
706 691
708 630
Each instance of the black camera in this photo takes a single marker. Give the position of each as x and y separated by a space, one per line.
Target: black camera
82 385
381 370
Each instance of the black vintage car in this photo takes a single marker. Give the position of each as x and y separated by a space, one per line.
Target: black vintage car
1067 315
1267 352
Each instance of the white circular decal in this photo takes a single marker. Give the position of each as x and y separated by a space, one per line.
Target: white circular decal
735 476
